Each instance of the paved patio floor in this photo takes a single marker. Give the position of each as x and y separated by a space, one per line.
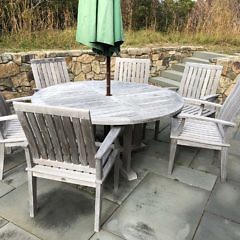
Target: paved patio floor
192 204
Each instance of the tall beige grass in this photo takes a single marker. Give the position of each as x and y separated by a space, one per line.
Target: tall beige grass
34 15
215 17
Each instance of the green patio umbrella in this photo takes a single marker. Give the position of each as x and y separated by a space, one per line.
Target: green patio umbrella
100 28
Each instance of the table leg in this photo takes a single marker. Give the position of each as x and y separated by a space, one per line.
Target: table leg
127 154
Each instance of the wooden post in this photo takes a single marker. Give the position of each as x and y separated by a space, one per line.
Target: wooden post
108 76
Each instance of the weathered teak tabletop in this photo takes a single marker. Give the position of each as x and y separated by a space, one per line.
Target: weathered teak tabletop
130 104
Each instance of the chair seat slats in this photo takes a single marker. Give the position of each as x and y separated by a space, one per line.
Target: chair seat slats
201 131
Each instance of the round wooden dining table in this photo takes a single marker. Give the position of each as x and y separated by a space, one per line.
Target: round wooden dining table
130 104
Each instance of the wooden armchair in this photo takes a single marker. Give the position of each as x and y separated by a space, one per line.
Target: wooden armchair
11 133
199 81
49 71
62 148
132 70
205 132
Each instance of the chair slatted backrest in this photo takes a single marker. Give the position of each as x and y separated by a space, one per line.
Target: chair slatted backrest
200 80
58 135
231 106
132 70
49 71
4 111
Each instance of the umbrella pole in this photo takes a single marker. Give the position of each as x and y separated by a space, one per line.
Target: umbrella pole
108 76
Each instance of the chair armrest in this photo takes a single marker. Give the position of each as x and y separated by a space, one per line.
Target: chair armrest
207 119
201 102
20 99
107 143
8 117
210 98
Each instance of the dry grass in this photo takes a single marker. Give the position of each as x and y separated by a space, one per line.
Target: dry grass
57 39
214 24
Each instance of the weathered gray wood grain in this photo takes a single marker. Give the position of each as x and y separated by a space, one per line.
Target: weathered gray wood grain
130 103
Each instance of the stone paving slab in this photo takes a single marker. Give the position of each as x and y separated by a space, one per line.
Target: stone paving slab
234 149
181 173
225 200
103 235
12 232
5 188
233 168
159 208
65 212
160 150
125 188
16 158
3 222
17 176
194 178
207 161
213 227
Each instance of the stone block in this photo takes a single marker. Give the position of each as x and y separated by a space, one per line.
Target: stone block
99 76
86 68
21 79
90 76
85 58
146 51
80 77
6 58
40 55
26 58
6 83
8 70
17 59
103 68
134 51
96 67
100 58
12 94
77 68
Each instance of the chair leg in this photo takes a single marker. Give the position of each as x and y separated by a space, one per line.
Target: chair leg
98 207
144 131
116 174
32 190
8 150
224 153
173 148
156 130
2 147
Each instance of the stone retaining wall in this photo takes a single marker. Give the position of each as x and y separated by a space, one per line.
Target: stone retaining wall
231 68
16 77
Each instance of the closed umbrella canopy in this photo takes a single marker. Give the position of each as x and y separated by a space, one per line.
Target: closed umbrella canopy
100 27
